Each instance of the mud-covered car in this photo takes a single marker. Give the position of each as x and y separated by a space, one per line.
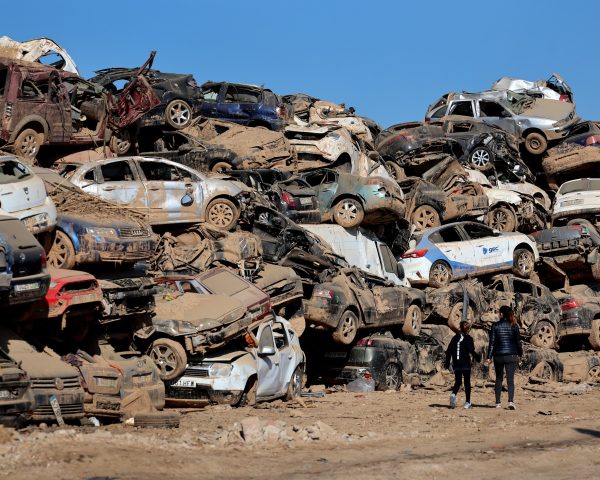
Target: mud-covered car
348 300
179 95
554 88
127 299
23 274
575 200
270 365
166 192
538 311
16 396
580 366
580 315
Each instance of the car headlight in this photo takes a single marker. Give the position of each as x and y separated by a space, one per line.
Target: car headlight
102 231
220 369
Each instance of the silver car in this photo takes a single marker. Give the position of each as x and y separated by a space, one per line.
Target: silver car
167 192
536 121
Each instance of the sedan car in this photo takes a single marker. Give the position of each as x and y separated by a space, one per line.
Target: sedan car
167 192
457 250
270 366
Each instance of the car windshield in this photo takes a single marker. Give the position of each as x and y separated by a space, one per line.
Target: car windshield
582 185
12 170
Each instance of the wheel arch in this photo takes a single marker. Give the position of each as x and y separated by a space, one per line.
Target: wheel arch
31 121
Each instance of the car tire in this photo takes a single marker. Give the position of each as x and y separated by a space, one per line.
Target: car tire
482 159
425 216
295 386
544 335
157 420
536 143
248 398
412 321
178 114
62 252
391 377
169 357
440 274
120 142
523 263
221 167
593 375
345 332
348 213
594 337
396 171
502 219
28 143
222 214
456 315
544 371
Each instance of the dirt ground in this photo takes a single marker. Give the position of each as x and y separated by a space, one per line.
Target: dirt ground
407 434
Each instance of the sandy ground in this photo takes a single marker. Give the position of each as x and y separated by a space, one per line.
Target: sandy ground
407 434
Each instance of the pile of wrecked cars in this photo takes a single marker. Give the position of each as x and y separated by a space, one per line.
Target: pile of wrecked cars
167 243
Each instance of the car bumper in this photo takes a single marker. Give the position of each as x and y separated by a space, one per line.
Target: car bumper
304 216
322 313
416 272
220 390
37 219
380 210
71 405
28 289
93 248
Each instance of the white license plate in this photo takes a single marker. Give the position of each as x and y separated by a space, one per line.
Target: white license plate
35 220
185 383
90 297
106 382
306 201
27 287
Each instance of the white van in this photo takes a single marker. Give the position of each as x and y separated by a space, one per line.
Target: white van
361 249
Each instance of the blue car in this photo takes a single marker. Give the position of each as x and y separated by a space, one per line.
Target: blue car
244 104
443 254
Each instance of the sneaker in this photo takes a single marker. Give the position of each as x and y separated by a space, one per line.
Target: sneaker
468 405
498 405
511 406
453 400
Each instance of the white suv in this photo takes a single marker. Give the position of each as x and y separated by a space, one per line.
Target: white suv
577 199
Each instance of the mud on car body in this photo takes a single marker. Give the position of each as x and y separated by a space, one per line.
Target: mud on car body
575 200
348 300
270 365
580 315
16 396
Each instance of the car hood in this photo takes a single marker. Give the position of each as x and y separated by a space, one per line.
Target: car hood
549 109
202 311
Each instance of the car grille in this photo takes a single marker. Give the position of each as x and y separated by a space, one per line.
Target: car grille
50 383
186 393
65 409
196 372
133 232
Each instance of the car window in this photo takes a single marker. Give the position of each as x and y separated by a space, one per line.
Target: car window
522 287
11 171
439 113
498 286
243 95
117 172
163 172
315 179
446 235
464 108
389 262
211 93
476 231
90 175
29 90
266 338
3 76
492 109
279 335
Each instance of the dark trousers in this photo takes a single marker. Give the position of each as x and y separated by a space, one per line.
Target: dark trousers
509 362
458 378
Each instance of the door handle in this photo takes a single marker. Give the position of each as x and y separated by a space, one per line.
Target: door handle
153 188
109 189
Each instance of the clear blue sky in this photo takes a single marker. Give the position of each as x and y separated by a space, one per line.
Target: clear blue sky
389 60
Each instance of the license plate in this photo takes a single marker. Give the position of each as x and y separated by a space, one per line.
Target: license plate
35 220
91 297
106 382
306 201
27 287
184 383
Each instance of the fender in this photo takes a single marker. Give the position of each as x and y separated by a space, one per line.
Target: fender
30 119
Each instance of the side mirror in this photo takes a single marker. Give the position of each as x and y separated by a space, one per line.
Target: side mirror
266 351
399 271
187 200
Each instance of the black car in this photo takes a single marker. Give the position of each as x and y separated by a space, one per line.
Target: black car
580 316
180 97
16 403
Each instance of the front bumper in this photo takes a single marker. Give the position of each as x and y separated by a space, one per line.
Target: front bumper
94 248
71 405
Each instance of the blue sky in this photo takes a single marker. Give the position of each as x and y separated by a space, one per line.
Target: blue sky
389 60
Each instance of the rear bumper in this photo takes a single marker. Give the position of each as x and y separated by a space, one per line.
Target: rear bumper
18 294
37 219
320 312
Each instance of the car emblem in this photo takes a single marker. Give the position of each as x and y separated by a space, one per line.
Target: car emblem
59 384
485 250
140 364
26 190
22 257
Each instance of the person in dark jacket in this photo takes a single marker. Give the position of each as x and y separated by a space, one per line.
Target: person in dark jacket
460 350
505 349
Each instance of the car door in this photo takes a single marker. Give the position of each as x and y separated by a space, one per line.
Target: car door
463 108
210 99
390 302
455 249
527 305
172 195
230 108
286 354
363 295
499 293
487 247
268 362
325 186
493 113
117 182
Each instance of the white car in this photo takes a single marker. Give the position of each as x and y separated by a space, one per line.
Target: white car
23 195
577 199
272 366
167 192
458 250
555 88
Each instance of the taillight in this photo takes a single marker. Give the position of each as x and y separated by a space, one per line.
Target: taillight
416 253
569 304
288 199
365 342
565 98
43 259
427 120
280 111
324 293
592 140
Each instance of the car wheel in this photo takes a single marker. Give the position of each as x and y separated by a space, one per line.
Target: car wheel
482 159
295 386
62 252
593 375
544 335
120 142
456 315
440 274
396 171
544 371
346 329
221 167
425 216
169 356
157 420
502 219
222 213
536 143
412 321
523 263
391 378
348 213
178 114
28 143
594 337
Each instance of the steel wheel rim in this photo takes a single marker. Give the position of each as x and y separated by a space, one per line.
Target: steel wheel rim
164 358
179 113
221 214
348 211
296 382
480 158
391 377
534 143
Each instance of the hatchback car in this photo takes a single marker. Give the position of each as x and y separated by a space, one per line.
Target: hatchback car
577 199
451 252
167 192
580 314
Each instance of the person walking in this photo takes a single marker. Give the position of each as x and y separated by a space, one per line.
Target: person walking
505 349
460 350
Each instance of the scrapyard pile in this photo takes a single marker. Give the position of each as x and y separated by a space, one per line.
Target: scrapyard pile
232 242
